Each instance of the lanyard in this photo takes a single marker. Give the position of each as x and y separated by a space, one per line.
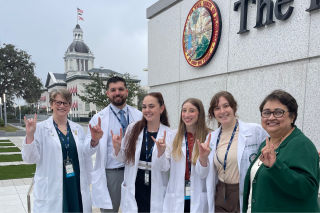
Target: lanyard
227 151
188 156
123 126
66 143
148 156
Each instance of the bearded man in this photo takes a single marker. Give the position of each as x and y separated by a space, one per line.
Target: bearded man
108 173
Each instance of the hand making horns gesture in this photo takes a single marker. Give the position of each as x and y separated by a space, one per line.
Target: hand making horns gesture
161 144
204 151
268 155
31 125
96 133
116 141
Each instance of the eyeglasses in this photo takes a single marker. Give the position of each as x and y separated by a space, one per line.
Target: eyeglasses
278 113
58 103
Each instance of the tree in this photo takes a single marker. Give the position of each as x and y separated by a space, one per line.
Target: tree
141 94
95 92
17 76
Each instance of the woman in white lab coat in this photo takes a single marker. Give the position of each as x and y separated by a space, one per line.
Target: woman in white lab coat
186 191
62 178
227 154
143 188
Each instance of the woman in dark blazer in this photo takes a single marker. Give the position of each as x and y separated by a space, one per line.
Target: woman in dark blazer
285 176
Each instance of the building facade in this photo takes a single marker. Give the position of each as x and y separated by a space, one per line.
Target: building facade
78 63
263 46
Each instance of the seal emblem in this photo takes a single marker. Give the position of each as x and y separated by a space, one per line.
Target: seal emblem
252 157
202 32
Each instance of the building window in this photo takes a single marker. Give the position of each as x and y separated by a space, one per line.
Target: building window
78 65
86 65
87 108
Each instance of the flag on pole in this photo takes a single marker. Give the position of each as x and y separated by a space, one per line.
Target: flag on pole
80 14
80 18
79 10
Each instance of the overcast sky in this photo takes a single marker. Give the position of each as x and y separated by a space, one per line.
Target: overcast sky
115 31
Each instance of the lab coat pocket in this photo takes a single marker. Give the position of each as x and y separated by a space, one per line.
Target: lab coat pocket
97 185
123 202
204 202
40 191
169 202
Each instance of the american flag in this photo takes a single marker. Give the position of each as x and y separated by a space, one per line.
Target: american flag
79 10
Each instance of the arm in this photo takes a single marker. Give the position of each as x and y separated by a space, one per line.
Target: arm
299 175
162 163
88 149
201 170
31 143
119 144
87 158
203 164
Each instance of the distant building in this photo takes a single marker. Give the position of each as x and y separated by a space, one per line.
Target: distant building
79 61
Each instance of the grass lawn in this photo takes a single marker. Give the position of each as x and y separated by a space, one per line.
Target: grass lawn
10 158
6 144
8 129
13 149
17 172
5 141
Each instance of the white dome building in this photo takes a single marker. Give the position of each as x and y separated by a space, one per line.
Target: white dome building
78 61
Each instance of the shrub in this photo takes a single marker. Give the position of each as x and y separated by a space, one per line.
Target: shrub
1 122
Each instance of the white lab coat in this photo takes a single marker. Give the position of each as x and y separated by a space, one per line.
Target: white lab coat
46 152
174 198
159 179
250 137
100 193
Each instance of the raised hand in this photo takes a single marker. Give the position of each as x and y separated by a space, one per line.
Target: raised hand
204 151
96 133
268 155
161 144
116 141
31 125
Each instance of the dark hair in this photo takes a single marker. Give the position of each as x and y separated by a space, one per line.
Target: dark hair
286 99
215 101
116 79
139 126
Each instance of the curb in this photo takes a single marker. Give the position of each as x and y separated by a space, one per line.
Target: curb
20 132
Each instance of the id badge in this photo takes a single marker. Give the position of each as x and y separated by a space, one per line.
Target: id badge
146 177
69 167
187 190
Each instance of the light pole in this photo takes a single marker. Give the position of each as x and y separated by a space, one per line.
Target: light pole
20 113
15 113
91 113
96 111
1 107
5 110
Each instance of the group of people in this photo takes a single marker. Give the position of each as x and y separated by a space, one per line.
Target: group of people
144 166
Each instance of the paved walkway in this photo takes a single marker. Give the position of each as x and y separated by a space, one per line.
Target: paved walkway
13 193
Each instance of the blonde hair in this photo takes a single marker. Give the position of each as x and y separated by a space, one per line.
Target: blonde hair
65 94
201 132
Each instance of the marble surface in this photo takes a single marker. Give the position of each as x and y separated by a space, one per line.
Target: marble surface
219 62
164 47
280 42
312 103
250 88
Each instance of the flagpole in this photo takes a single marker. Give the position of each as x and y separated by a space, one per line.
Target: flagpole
77 14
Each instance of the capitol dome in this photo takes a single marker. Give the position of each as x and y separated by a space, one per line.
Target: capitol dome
78 46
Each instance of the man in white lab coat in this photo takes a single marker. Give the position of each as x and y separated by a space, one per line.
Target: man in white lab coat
108 173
